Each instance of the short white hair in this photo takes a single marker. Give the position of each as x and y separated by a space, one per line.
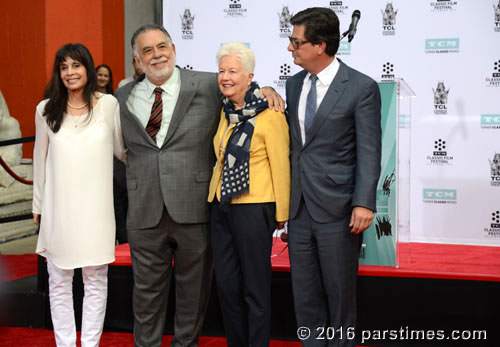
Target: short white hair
240 51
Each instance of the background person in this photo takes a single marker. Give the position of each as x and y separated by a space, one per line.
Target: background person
77 133
250 194
120 197
137 72
335 136
104 79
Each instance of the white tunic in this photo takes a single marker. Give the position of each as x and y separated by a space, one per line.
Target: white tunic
73 185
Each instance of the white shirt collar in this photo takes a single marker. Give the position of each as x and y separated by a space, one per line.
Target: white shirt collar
327 75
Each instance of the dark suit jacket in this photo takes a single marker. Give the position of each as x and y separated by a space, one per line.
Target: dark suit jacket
176 175
339 165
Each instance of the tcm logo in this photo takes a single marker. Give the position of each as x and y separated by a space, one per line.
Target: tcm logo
494 81
234 4
440 98
439 155
439 146
339 7
440 194
285 73
285 70
387 72
284 19
442 45
344 48
496 69
187 23
235 9
443 5
495 219
490 121
493 230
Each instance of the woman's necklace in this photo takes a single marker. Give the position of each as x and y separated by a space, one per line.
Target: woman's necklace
74 119
77 107
77 118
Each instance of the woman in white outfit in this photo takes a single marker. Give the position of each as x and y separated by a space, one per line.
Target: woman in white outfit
77 132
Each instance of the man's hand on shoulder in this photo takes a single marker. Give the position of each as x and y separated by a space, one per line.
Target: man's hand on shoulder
273 98
361 219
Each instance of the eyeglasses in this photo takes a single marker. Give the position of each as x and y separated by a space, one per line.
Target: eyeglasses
296 43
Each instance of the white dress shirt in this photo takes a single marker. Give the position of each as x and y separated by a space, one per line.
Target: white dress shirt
325 78
142 97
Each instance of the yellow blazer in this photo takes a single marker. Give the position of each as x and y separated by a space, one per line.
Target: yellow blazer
269 163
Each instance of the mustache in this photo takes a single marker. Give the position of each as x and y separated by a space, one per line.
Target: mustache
158 60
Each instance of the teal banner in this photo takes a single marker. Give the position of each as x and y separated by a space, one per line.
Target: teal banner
379 241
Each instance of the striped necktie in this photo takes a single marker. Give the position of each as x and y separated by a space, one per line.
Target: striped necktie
154 122
310 105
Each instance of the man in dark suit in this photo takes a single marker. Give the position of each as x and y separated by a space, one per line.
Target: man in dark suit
335 136
169 117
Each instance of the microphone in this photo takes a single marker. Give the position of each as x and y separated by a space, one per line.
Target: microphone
354 23
353 27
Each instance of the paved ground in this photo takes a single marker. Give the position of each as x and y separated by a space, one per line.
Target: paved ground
21 246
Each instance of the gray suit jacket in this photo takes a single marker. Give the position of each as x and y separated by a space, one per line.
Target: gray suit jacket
338 166
176 175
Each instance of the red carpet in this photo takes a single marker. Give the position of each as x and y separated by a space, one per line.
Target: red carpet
24 337
428 260
17 266
417 260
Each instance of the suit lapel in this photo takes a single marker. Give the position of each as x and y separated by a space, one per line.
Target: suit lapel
331 98
133 118
186 94
294 105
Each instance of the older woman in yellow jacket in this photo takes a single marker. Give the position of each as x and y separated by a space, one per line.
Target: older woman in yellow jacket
250 193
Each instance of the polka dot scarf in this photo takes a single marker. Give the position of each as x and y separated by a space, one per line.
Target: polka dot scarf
235 177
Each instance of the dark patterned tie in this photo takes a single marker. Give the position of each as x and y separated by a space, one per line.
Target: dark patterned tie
154 122
310 105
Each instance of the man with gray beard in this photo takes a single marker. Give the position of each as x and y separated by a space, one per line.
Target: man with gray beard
169 117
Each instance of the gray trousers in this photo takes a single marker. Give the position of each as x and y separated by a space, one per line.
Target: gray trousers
152 252
324 268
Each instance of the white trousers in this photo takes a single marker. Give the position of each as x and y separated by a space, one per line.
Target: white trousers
95 281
